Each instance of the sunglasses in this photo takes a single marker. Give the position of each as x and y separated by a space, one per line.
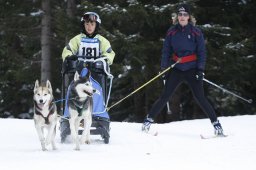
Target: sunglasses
90 17
185 14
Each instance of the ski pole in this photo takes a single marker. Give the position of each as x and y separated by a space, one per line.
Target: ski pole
139 88
168 104
225 90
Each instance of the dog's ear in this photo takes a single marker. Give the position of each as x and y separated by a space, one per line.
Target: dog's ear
76 77
48 85
36 85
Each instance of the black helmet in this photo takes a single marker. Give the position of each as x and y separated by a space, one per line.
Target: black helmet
91 16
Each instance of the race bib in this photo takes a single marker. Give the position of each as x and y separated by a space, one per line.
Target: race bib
89 47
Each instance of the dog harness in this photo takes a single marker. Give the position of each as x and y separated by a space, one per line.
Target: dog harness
51 111
79 105
74 101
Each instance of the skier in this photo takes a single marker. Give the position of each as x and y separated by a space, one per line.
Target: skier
186 42
89 43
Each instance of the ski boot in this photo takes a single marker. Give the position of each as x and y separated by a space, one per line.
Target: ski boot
146 124
218 131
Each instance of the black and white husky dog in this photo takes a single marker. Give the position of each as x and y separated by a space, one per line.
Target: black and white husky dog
45 114
80 108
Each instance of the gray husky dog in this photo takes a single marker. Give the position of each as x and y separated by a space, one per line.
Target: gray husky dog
80 108
45 114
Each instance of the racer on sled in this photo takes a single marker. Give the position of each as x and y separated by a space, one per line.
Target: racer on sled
91 50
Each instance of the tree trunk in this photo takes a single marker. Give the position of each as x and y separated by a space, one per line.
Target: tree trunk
71 7
46 41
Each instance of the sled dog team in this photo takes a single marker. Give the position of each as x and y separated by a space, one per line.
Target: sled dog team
80 108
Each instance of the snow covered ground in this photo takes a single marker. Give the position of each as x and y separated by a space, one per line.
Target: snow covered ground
177 146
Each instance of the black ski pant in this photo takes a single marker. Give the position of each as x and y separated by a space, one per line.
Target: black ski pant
175 78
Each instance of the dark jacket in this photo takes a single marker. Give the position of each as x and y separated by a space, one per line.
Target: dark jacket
184 41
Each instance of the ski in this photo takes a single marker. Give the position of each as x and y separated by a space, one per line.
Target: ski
213 136
155 133
151 133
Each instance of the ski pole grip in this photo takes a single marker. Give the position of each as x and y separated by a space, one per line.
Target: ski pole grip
167 69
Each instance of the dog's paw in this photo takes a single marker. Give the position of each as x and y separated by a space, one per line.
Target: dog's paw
87 142
44 149
43 145
54 146
47 142
77 148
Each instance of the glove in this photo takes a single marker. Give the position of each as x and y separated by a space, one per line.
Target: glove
71 58
199 75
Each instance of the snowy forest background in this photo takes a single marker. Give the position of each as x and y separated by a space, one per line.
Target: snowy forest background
33 34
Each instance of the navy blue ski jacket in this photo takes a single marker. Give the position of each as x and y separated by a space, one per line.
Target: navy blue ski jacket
184 41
